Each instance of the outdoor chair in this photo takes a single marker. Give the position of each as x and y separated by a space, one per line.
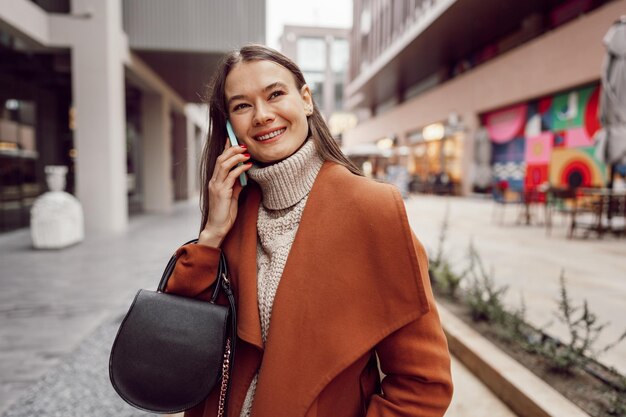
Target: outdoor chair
503 197
561 201
533 198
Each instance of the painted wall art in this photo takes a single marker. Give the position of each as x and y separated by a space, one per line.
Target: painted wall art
548 141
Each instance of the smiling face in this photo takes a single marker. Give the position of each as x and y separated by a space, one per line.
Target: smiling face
267 110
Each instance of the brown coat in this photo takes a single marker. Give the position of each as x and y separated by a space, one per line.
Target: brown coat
355 286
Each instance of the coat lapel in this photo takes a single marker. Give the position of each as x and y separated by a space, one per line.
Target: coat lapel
240 250
344 288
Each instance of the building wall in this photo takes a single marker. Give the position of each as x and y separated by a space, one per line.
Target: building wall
197 25
381 31
323 72
85 55
567 57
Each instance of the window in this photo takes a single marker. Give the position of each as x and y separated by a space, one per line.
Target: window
315 81
339 56
312 54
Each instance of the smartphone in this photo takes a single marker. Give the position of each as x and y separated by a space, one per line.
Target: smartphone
243 180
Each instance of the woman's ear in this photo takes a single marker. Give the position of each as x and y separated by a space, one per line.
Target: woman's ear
305 93
307 100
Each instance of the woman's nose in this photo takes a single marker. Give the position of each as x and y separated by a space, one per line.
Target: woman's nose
262 115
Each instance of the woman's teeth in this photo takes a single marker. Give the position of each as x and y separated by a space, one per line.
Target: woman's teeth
270 135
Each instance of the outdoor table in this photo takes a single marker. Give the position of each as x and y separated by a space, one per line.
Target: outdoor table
603 207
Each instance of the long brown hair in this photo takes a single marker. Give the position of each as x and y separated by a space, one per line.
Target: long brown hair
218 114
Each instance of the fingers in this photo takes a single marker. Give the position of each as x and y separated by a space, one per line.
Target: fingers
222 184
228 160
232 179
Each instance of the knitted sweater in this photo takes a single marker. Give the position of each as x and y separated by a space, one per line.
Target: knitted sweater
285 187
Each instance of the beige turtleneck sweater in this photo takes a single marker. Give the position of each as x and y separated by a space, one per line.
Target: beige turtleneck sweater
285 187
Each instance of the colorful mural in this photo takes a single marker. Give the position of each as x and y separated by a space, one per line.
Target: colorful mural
548 140
576 167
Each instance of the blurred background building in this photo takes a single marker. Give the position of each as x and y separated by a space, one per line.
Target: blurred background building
461 94
111 90
323 53
433 81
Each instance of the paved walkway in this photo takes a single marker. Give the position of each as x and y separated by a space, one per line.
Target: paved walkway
530 262
51 301
60 310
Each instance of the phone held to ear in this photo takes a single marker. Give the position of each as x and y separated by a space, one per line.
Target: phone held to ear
243 180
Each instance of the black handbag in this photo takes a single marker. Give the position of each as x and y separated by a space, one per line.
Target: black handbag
170 350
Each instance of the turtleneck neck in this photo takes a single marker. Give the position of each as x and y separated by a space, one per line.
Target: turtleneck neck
287 182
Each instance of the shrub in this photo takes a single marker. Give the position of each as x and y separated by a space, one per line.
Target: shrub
617 405
443 231
584 330
447 280
483 297
440 269
516 329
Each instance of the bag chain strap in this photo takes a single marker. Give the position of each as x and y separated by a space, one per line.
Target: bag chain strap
225 377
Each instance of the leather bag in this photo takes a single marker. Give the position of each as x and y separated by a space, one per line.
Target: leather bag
170 350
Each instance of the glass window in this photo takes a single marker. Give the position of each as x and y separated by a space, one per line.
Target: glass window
18 163
339 55
338 96
312 54
315 81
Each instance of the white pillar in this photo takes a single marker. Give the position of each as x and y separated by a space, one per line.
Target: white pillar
98 97
328 96
156 143
193 157
471 123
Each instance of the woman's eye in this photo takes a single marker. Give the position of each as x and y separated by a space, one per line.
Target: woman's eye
239 106
276 94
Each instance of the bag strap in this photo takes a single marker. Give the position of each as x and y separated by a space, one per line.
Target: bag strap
222 283
169 268
229 351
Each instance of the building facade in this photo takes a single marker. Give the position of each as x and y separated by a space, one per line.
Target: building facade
322 53
471 92
113 90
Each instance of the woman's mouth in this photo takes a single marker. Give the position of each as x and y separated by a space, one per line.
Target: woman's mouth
270 135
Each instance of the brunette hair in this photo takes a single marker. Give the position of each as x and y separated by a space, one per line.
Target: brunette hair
218 114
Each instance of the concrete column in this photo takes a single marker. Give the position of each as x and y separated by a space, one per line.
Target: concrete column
328 99
193 157
471 122
98 96
180 162
402 138
156 143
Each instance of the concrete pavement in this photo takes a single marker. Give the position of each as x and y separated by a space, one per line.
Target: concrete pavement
51 301
529 262
472 398
60 310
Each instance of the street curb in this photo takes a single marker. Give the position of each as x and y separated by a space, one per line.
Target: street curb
525 393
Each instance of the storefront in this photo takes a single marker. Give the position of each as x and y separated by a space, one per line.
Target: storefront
34 127
18 163
37 122
435 158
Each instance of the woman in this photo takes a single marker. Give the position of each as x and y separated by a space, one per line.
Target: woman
329 278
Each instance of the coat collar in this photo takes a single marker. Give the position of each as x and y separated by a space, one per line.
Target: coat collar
352 277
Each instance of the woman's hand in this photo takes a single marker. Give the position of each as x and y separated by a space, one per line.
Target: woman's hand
224 190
